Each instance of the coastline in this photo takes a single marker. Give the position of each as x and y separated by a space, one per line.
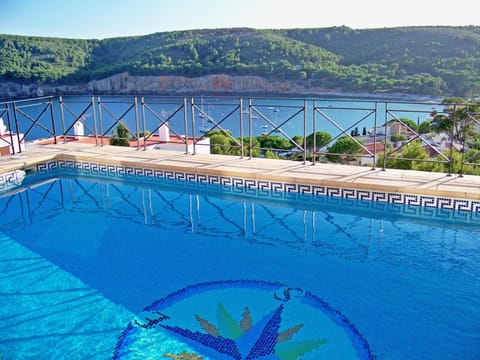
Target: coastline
220 85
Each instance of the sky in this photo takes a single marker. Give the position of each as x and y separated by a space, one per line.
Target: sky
99 19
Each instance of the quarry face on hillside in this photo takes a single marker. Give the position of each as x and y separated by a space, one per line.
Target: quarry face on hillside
124 84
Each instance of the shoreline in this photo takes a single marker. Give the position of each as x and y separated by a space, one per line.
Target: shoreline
219 85
360 96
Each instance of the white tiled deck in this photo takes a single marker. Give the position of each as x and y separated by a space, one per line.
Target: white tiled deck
392 180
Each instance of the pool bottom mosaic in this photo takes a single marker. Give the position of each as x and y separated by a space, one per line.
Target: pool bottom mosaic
241 320
256 186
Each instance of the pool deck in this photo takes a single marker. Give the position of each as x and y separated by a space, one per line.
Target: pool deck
356 177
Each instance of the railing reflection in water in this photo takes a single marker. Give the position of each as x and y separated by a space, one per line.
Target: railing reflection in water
348 228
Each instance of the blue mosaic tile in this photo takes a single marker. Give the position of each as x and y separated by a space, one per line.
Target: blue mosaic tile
222 345
395 198
168 174
260 339
476 206
202 178
379 196
334 191
462 204
265 344
213 179
304 189
238 182
250 184
349 193
444 203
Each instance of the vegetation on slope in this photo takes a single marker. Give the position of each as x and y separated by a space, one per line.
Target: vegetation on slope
423 60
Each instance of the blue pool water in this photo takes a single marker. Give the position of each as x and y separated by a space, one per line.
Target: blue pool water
101 268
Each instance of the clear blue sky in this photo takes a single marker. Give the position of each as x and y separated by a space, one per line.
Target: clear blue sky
111 18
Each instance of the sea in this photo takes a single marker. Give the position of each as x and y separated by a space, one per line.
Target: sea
195 116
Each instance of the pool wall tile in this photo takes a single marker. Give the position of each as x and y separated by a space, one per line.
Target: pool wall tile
258 187
11 179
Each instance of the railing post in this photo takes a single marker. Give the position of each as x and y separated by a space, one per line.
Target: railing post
62 117
99 103
137 132
375 137
241 128
185 122
17 130
250 129
314 132
142 102
463 141
454 117
193 125
94 120
304 130
52 117
7 111
385 138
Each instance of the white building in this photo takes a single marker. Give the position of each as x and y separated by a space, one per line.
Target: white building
179 143
10 142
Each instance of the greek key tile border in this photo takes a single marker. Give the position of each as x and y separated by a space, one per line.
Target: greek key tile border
11 179
255 186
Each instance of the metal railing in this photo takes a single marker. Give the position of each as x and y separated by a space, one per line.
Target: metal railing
255 127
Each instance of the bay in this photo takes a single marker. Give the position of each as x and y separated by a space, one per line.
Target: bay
285 117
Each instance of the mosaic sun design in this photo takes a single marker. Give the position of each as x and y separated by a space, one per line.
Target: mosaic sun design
212 321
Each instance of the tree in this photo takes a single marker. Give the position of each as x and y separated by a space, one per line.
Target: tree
269 154
410 123
297 139
322 139
455 120
425 127
246 146
121 137
398 137
406 159
220 144
341 150
457 167
274 142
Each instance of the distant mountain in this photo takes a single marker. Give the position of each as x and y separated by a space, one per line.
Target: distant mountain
417 60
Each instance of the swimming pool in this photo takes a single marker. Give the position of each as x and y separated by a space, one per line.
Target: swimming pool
99 267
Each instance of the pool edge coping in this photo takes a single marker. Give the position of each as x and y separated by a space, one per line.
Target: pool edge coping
429 197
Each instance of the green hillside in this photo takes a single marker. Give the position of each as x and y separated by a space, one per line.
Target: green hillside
451 54
423 60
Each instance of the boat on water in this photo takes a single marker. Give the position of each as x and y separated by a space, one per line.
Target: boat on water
274 109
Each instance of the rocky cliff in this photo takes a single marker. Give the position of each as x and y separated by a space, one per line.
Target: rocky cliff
162 85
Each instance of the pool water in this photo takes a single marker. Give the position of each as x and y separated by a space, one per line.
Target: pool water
105 268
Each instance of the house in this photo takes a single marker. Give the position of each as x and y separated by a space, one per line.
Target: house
366 158
391 128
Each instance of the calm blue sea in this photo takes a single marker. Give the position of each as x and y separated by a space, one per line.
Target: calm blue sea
260 116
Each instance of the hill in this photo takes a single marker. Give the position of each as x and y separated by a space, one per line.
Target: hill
418 60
